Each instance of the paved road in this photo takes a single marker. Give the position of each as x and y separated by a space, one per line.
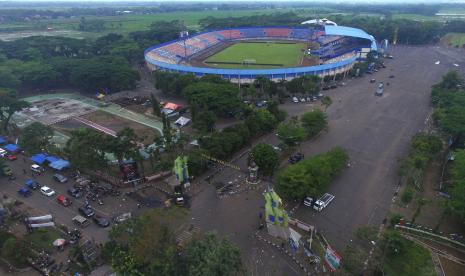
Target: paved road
376 131
42 205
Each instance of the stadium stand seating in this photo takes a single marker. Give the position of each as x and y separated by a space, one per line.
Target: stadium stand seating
175 52
253 33
277 32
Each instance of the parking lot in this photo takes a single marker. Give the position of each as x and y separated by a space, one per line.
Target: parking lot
42 205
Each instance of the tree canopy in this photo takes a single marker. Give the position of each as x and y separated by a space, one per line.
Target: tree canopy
312 176
266 158
36 138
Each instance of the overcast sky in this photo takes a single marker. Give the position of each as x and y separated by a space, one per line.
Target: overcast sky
324 1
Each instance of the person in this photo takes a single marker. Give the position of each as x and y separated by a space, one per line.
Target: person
24 171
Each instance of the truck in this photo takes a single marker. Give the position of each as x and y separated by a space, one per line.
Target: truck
380 89
322 202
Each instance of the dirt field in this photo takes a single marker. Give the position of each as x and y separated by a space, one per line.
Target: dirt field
52 111
146 134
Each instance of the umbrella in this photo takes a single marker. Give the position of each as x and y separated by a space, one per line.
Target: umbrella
59 242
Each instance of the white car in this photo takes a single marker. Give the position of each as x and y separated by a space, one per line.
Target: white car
2 152
36 168
324 201
294 99
47 191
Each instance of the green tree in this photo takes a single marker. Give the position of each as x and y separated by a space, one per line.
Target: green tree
311 177
261 121
205 121
155 106
222 99
86 149
123 146
266 158
291 133
326 101
9 104
314 122
210 256
36 138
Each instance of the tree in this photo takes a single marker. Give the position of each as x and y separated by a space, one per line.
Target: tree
326 101
123 146
220 98
210 256
291 133
261 121
155 105
150 247
205 121
86 149
266 158
9 104
36 137
314 122
311 177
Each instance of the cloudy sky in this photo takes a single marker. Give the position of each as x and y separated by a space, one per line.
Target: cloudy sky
325 1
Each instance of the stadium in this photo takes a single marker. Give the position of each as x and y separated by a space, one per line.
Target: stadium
242 54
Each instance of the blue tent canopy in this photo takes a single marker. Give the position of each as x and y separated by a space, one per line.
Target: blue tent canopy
2 140
11 147
39 158
51 159
59 164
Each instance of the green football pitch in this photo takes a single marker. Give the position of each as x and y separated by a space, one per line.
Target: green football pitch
258 55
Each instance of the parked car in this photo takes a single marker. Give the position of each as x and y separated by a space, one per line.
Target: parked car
295 100
2 152
391 76
308 201
25 192
372 80
122 217
36 168
32 184
86 211
302 99
47 191
81 221
101 221
296 158
63 200
11 157
74 193
60 178
260 104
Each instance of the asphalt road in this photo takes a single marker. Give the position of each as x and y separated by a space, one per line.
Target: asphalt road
42 205
376 132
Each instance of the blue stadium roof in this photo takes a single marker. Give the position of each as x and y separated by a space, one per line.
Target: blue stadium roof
353 32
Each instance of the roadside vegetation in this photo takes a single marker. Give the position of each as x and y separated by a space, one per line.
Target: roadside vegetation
311 176
423 149
147 245
448 98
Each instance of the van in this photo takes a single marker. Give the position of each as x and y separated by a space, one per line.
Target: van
81 221
322 202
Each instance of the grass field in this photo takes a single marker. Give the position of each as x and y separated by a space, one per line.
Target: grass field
278 54
454 39
136 22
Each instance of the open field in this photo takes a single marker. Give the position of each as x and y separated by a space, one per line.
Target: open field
133 22
266 55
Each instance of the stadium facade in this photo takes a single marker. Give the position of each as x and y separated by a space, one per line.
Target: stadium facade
339 49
